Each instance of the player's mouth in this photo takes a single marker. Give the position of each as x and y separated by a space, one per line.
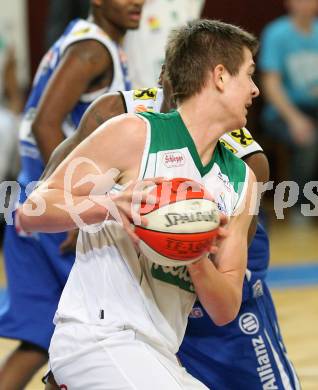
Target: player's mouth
135 15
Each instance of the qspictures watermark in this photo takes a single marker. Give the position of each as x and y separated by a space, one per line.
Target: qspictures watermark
103 188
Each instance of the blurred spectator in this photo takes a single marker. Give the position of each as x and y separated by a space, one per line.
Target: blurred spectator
57 20
145 47
10 106
288 61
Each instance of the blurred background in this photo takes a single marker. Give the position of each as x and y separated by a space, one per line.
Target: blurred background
29 27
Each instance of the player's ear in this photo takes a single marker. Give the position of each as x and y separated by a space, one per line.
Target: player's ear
219 75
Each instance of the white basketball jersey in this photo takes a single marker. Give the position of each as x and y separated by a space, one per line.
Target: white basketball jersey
112 286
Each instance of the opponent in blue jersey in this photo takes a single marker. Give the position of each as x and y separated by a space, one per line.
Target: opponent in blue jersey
248 353
83 64
251 347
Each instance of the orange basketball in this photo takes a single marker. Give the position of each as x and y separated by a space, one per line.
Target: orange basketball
181 224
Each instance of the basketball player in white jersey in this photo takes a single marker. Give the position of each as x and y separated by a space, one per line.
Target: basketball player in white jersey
134 345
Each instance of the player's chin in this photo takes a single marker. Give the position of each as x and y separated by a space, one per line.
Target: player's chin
132 25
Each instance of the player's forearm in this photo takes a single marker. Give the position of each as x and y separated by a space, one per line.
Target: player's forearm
48 137
217 292
275 94
54 210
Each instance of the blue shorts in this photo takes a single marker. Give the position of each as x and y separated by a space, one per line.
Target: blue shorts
36 274
248 353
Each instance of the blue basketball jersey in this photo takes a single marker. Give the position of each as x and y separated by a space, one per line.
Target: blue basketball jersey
78 30
249 352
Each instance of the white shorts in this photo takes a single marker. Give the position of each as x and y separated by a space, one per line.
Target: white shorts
82 360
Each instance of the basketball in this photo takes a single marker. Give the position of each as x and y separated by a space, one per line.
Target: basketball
181 224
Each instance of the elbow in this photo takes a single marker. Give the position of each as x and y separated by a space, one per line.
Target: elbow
22 221
227 313
224 319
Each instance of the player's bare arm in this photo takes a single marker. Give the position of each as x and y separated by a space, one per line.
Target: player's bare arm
258 162
86 66
218 284
101 153
102 109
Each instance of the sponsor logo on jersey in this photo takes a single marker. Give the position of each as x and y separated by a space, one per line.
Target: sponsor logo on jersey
264 367
82 31
242 137
248 323
142 108
145 94
173 159
196 312
225 180
228 146
220 201
257 289
178 276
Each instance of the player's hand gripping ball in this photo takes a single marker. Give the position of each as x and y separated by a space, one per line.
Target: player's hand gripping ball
182 223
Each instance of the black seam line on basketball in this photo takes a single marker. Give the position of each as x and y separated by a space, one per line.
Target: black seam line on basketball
161 231
177 202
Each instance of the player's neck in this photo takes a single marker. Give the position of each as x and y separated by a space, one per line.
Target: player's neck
204 118
114 32
204 124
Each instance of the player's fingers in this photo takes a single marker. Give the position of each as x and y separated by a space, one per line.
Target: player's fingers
222 232
223 219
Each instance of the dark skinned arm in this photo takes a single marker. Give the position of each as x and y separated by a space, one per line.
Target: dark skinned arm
102 109
82 63
259 164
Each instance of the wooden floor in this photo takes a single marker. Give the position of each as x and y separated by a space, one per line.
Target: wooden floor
297 307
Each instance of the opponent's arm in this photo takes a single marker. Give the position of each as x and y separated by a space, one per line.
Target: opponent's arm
258 162
81 64
102 109
218 284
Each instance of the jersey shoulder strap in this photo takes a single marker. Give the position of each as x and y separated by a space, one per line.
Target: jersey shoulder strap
142 100
82 30
241 143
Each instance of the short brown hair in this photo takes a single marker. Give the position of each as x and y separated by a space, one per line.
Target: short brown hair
200 46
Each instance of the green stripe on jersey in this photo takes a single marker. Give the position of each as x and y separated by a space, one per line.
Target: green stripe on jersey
168 132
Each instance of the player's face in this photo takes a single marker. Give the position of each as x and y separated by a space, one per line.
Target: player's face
241 90
124 14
